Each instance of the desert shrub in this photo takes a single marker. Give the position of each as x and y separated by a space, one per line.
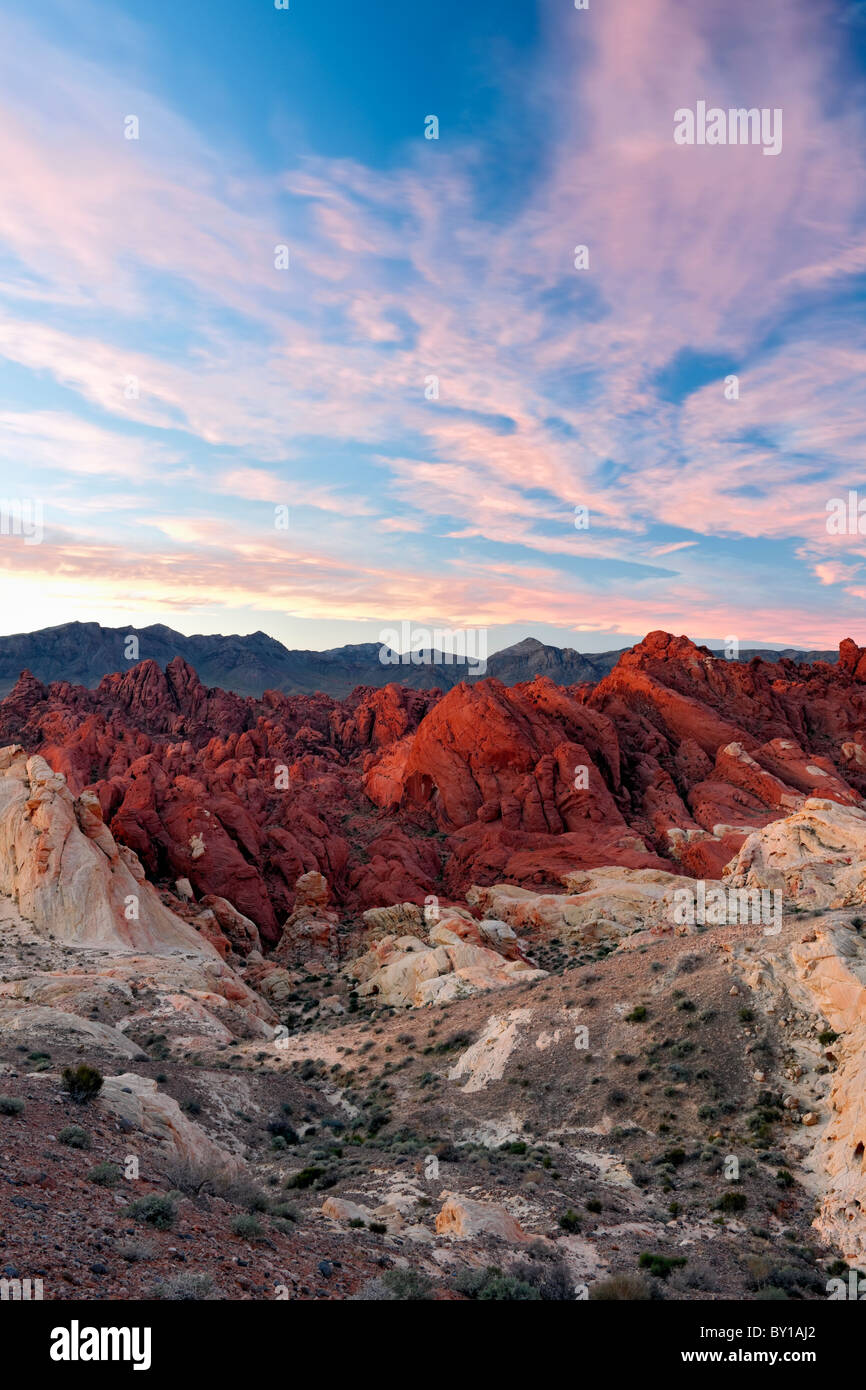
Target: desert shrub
507 1288
240 1191
11 1105
701 1277
687 963
134 1251
570 1221
105 1175
82 1082
185 1287
153 1210
732 1201
593 1205
620 1287
637 1015
285 1211
660 1265
549 1277
305 1178
247 1226
189 1177
75 1137
407 1285
281 1129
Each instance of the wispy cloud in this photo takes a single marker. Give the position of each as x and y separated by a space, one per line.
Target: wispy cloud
441 376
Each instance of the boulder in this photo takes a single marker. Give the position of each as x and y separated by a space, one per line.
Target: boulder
464 1219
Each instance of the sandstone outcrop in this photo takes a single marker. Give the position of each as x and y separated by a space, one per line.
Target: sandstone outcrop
816 857
310 932
452 963
60 863
464 1218
142 1106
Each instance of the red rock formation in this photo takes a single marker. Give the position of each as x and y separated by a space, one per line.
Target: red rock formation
394 794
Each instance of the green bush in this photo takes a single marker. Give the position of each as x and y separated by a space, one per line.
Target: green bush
660 1265
249 1227
286 1211
11 1105
75 1137
82 1082
153 1210
732 1201
105 1175
305 1178
570 1221
637 1015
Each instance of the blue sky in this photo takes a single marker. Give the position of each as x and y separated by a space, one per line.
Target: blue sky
164 387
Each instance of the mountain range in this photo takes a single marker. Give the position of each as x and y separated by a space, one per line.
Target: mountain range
82 653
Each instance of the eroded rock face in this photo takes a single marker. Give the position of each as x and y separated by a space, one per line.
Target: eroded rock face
600 906
61 865
816 857
142 1106
455 960
310 932
670 762
234 798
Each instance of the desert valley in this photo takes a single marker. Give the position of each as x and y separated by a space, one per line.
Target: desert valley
387 996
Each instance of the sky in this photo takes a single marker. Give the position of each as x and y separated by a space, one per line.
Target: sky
404 421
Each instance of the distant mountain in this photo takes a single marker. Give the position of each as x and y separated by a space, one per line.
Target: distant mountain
82 653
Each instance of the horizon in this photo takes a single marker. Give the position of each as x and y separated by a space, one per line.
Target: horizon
744 645
274 357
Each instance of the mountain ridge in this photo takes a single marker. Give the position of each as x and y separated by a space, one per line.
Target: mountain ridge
84 652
